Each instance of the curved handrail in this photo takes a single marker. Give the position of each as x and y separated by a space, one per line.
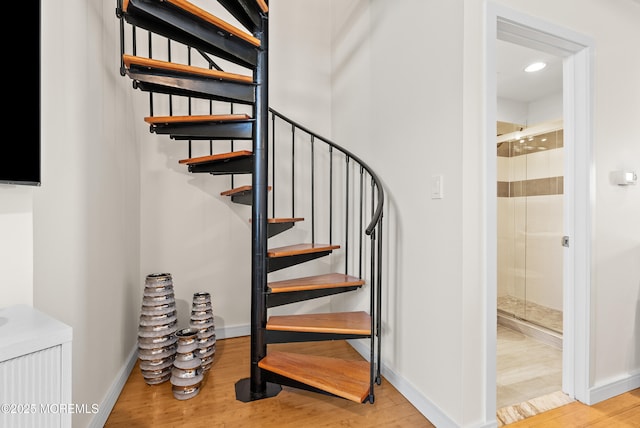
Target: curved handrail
375 219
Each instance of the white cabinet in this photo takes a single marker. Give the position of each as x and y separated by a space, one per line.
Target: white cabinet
35 369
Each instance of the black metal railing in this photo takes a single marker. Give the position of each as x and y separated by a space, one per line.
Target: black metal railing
358 223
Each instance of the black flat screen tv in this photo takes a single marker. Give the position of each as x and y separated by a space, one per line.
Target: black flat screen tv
20 161
20 156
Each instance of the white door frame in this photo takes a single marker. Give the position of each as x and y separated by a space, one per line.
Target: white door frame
577 53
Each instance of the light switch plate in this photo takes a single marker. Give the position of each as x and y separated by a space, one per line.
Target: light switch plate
437 187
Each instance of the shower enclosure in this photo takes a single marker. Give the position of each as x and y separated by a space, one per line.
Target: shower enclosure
530 204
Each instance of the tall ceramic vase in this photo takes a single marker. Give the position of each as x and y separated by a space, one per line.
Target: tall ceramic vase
202 320
156 332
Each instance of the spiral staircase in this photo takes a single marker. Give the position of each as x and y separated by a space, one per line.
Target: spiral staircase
333 181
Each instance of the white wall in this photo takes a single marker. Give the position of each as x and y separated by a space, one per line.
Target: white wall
407 90
300 62
512 111
86 214
16 245
545 109
397 70
533 113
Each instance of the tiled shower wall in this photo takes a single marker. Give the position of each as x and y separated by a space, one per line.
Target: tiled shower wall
530 199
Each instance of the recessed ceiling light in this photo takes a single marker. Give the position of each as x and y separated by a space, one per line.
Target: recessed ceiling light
536 66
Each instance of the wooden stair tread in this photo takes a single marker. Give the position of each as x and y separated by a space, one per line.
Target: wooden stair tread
235 191
283 220
329 280
130 60
336 322
196 118
297 249
216 157
263 5
206 16
344 378
240 189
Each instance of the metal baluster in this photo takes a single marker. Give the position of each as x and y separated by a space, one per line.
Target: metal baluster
313 197
330 195
134 35
150 56
122 36
379 298
346 219
293 171
273 165
233 176
360 228
170 95
373 316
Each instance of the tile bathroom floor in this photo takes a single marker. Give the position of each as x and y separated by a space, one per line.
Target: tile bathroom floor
529 376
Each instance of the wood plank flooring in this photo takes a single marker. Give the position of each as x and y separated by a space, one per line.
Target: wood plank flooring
622 411
141 405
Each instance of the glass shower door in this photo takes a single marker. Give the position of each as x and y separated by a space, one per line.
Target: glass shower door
530 196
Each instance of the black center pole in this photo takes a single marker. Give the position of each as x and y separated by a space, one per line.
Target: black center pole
255 387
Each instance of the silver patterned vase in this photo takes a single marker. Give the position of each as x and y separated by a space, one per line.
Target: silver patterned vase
186 374
202 320
156 332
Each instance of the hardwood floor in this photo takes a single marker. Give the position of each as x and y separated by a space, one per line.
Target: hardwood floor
622 411
141 405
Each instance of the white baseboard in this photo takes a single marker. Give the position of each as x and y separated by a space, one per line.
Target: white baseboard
100 418
440 419
613 388
233 331
430 411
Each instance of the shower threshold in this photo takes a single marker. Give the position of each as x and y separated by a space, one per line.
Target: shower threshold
530 329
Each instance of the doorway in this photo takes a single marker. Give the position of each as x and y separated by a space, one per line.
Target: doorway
575 50
529 169
530 184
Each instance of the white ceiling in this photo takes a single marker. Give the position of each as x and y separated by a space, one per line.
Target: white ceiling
515 84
